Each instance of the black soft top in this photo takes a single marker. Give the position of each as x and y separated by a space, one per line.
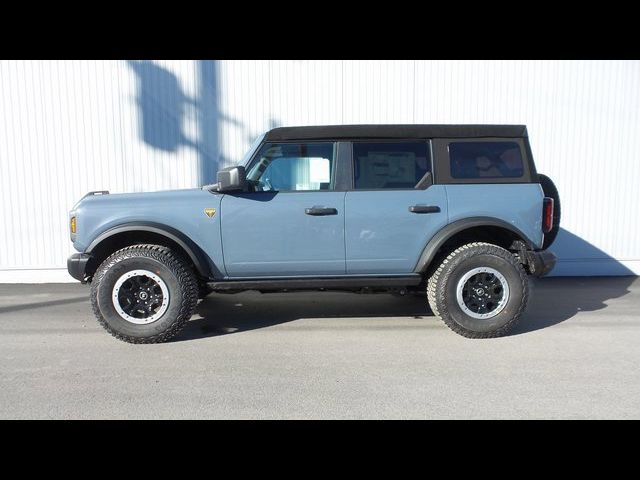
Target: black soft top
395 131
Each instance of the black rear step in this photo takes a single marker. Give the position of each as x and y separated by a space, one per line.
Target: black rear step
315 283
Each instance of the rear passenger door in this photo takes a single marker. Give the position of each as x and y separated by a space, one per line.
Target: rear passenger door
391 210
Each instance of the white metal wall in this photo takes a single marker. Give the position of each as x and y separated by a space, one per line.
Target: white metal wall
67 127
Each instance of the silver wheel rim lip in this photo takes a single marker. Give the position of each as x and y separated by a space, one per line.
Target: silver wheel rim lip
501 304
138 273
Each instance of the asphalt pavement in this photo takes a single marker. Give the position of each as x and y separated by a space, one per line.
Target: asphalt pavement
315 355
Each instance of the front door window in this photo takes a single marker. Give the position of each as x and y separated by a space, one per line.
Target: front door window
286 167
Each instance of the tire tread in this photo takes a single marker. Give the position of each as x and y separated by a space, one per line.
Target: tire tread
438 280
171 260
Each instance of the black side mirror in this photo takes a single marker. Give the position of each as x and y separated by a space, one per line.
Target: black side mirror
232 179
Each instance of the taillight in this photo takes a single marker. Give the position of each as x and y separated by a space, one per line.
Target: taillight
547 214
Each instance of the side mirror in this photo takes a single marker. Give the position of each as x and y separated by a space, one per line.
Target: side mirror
232 179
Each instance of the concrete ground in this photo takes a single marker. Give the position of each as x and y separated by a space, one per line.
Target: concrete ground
325 355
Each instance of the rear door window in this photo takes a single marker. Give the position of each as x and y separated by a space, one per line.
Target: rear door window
390 165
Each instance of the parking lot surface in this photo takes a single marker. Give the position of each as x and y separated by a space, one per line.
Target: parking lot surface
316 355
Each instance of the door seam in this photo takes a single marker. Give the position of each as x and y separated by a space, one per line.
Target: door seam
344 229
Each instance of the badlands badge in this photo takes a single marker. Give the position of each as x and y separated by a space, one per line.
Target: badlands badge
210 212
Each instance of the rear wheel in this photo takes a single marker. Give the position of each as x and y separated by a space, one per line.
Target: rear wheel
480 290
144 294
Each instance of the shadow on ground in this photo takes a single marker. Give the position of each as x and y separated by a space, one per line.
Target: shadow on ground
553 300
223 314
556 299
33 305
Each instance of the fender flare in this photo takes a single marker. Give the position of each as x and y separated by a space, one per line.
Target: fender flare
197 256
458 226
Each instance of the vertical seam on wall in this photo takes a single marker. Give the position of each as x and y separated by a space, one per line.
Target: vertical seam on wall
413 103
342 91
270 105
121 133
194 110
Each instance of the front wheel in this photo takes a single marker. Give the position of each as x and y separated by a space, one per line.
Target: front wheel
144 294
480 291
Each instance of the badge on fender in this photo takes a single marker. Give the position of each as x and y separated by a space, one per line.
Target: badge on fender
210 212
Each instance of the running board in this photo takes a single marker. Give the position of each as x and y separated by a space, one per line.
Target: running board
315 283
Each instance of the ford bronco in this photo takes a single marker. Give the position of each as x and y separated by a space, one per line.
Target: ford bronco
457 212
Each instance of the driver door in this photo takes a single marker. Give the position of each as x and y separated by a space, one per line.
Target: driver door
292 222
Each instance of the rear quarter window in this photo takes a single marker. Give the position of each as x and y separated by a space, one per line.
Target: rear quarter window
485 160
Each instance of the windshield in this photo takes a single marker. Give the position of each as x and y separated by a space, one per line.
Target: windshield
247 156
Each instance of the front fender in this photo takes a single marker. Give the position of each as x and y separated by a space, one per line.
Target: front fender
189 218
204 265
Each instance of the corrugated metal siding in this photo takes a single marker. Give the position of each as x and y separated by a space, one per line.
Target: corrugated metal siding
68 127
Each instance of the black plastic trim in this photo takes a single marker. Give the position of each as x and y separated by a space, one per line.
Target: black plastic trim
393 131
458 226
425 182
77 265
529 156
197 256
344 169
541 262
424 209
314 283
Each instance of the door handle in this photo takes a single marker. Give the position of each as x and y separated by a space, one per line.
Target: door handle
319 211
424 209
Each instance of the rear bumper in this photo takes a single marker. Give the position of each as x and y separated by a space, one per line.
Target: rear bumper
541 262
77 265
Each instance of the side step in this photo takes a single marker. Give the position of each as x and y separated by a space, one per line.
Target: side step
315 283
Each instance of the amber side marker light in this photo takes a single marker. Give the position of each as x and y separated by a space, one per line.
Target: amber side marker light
73 224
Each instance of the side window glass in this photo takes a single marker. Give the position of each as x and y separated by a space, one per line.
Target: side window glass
292 167
390 165
485 160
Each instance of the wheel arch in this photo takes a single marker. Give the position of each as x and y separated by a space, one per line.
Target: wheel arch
473 229
146 232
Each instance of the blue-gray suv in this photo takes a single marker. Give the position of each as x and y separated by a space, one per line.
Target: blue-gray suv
456 212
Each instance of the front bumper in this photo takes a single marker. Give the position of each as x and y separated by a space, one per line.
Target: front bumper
77 265
541 262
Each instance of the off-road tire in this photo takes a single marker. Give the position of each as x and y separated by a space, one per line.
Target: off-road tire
550 190
441 290
174 271
203 290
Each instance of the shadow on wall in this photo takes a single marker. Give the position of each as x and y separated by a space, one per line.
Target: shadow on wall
163 104
576 256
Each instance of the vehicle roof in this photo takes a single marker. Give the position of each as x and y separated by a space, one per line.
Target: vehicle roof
395 131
